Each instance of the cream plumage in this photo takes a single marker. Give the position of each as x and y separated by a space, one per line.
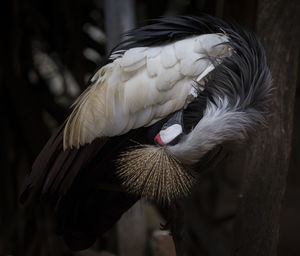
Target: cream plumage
169 94
143 85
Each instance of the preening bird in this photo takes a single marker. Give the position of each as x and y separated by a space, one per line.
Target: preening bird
168 94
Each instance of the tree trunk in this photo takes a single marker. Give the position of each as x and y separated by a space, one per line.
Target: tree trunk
266 164
119 18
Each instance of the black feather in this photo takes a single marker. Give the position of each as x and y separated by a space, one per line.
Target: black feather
84 211
170 29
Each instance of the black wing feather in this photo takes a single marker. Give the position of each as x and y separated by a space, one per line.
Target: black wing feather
84 211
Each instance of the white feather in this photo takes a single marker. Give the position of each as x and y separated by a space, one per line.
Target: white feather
193 64
220 123
207 70
182 46
168 58
144 116
152 52
140 87
135 66
168 78
135 93
133 56
212 44
153 65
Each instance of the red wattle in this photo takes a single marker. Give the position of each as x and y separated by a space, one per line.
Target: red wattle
159 140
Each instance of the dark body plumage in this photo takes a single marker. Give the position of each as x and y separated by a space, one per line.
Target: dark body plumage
90 198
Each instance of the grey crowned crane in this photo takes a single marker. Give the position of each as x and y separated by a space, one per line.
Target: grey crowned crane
167 96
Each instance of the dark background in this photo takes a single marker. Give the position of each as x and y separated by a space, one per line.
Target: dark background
48 51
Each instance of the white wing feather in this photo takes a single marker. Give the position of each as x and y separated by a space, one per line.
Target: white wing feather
141 86
168 58
153 64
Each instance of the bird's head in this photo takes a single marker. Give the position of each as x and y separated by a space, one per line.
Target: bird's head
206 81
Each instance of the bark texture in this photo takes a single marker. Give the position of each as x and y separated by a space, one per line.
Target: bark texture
266 163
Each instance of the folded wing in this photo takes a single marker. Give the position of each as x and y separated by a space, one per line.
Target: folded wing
141 86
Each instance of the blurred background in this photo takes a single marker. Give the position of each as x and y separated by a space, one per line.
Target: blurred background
49 49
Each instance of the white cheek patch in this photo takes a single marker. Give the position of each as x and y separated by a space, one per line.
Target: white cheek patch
166 136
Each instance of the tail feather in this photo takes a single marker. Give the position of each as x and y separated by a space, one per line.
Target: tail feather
55 169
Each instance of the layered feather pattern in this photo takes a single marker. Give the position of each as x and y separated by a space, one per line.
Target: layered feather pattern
215 72
141 86
236 94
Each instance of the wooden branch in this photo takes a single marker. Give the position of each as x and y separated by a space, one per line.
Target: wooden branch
266 165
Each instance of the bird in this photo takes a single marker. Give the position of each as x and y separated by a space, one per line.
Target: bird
168 94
